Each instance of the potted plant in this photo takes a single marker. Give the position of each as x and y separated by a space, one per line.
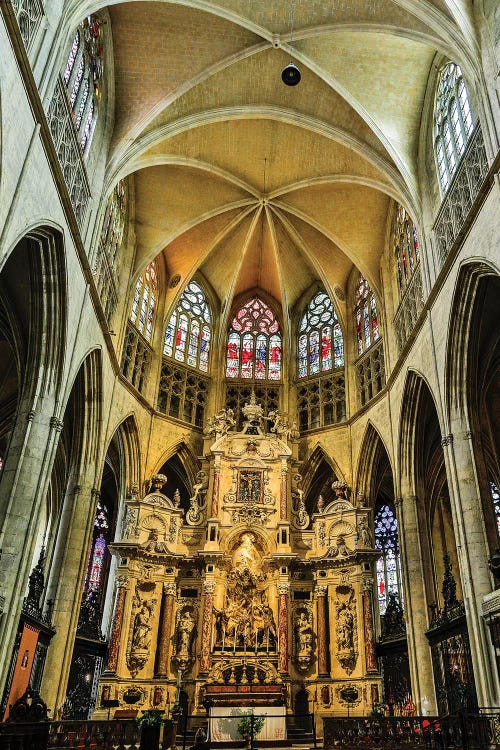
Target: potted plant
247 723
150 723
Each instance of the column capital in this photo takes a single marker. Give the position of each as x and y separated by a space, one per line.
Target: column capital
208 587
320 591
122 582
283 589
56 423
447 440
169 589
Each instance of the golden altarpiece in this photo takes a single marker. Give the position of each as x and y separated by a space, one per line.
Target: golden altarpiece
244 599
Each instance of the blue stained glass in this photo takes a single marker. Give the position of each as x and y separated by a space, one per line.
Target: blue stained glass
315 343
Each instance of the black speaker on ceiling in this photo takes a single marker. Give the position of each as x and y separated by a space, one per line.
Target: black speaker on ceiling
290 75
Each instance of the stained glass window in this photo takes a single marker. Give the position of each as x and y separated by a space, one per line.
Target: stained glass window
145 300
320 342
72 57
189 330
453 122
495 496
365 311
254 347
389 564
406 247
98 549
82 77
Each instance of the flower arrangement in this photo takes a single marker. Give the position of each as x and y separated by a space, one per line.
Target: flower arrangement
379 709
245 725
152 717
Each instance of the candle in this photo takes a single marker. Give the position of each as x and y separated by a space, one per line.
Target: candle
234 644
256 641
223 638
267 642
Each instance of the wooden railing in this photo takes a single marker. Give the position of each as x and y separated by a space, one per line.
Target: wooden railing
461 731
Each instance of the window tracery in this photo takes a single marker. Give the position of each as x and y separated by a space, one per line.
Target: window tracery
110 240
145 301
254 346
320 340
389 579
367 329
453 122
189 330
82 78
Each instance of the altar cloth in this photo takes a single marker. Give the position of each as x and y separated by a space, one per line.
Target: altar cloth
224 722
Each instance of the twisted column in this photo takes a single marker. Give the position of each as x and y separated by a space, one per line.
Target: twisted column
116 628
206 627
284 472
215 490
283 590
321 599
370 657
169 592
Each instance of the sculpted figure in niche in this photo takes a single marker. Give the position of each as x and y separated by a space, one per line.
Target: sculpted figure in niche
364 533
303 640
345 628
304 635
185 632
141 636
246 555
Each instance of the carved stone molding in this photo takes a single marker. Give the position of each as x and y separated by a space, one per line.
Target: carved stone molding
447 440
208 587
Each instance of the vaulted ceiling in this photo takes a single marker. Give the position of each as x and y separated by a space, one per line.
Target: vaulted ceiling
257 184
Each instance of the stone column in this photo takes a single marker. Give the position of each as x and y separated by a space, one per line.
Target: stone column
169 593
117 622
419 652
370 656
78 524
321 616
206 626
283 591
25 477
284 473
473 551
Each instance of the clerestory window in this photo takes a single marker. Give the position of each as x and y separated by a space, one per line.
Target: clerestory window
254 345
82 78
320 342
453 122
145 301
365 311
189 330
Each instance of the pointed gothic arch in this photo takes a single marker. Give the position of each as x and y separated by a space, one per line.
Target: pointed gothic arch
318 473
473 377
371 453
